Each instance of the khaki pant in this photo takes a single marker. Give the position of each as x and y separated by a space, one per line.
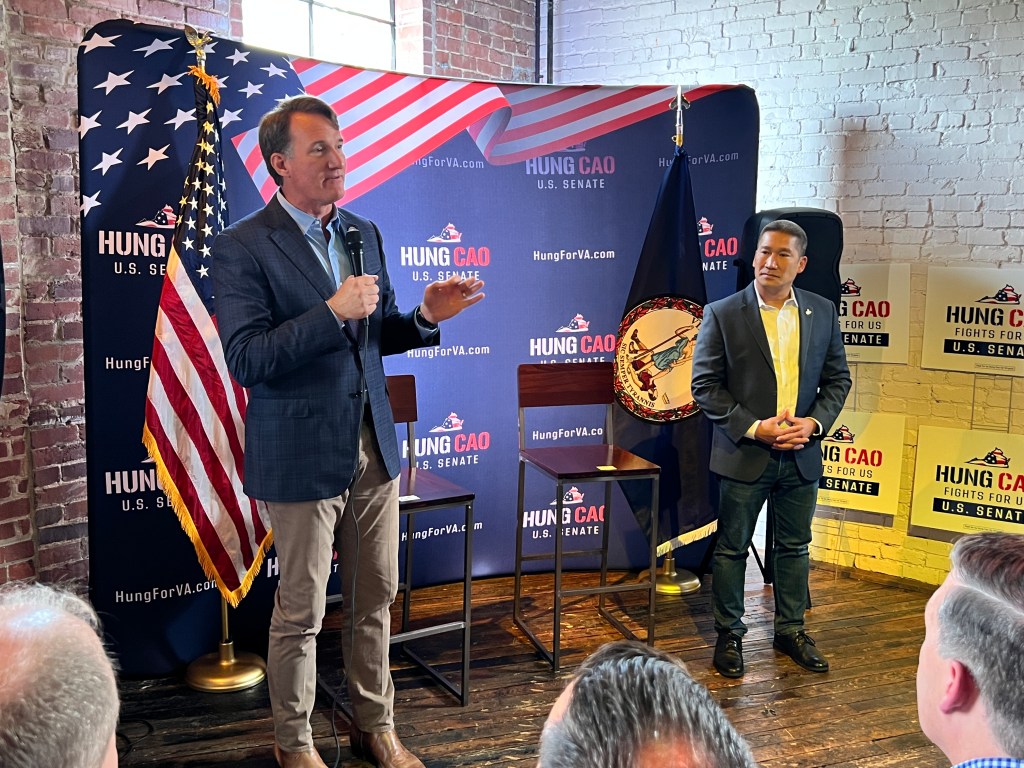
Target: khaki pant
304 534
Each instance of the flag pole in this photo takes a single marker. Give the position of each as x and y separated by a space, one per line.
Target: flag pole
671 581
679 103
223 671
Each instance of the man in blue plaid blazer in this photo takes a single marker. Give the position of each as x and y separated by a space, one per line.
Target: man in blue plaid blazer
304 323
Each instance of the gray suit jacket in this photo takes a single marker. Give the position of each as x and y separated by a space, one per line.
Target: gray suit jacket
303 368
734 379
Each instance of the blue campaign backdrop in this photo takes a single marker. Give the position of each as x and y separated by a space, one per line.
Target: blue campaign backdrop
555 237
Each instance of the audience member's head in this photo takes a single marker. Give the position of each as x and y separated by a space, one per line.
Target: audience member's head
633 706
970 675
58 695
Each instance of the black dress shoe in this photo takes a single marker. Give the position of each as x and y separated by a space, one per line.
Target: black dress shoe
729 655
800 648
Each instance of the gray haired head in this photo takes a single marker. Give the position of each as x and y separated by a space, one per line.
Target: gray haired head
632 705
58 694
981 625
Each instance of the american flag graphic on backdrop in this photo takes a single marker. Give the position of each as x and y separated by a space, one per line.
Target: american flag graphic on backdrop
140 125
390 120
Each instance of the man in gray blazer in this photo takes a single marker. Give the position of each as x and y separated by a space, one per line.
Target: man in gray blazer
770 372
304 323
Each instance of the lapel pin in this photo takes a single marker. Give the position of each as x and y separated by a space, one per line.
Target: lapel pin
807 311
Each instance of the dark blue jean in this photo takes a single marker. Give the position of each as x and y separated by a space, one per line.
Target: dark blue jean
793 502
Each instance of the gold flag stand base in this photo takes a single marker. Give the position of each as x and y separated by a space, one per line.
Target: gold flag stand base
224 671
672 582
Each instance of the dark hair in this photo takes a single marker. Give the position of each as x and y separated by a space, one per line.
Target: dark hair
788 228
629 699
275 126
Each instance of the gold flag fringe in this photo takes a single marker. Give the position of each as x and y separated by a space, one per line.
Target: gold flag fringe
233 597
687 538
208 80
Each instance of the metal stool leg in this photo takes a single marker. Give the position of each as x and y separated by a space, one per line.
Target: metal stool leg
652 597
604 541
410 535
556 638
467 603
518 583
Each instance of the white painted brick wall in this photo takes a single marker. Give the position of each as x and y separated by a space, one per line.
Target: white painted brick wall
905 118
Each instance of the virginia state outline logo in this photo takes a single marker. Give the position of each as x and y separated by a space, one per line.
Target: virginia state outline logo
449 234
451 423
577 325
573 496
849 288
841 434
165 218
1005 295
994 458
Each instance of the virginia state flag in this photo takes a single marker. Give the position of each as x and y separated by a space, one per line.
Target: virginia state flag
670 264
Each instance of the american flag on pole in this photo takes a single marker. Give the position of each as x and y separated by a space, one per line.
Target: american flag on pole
195 412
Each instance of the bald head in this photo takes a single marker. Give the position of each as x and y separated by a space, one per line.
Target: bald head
58 693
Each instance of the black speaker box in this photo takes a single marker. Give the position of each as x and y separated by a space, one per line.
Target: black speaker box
824 249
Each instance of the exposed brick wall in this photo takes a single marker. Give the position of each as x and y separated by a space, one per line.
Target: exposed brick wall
904 117
482 39
16 545
43 525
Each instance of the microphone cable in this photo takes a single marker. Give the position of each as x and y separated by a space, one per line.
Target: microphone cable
354 245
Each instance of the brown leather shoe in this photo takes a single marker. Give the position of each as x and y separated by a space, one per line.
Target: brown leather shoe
307 758
381 749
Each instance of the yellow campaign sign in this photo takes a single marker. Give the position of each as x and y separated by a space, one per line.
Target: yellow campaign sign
862 457
974 320
968 481
874 314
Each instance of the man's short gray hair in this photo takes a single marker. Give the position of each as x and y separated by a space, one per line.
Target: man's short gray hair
981 625
628 699
58 693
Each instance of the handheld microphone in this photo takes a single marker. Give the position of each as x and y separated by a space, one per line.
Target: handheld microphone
354 243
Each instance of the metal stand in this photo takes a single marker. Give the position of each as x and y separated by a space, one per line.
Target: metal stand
671 581
225 672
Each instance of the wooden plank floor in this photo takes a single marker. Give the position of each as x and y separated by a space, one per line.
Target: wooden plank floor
862 713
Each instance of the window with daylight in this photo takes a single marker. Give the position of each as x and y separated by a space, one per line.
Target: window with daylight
356 32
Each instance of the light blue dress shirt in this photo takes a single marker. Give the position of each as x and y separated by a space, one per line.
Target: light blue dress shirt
333 256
